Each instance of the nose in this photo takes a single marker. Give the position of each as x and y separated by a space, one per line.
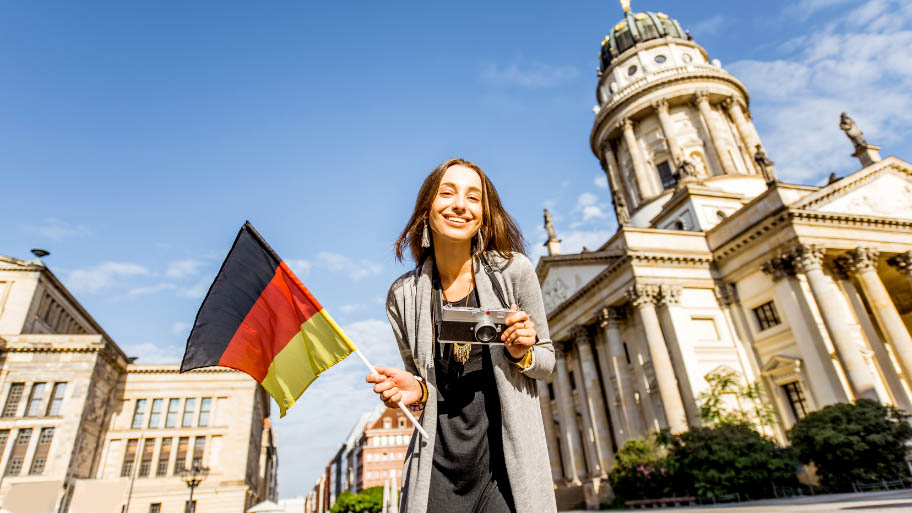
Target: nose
459 203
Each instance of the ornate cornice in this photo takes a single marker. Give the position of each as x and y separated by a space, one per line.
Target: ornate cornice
841 187
854 220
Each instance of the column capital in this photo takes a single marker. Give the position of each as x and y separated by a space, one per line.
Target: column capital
859 260
642 294
605 146
903 263
661 106
732 102
611 317
580 335
562 348
625 125
700 97
778 268
669 295
806 257
726 293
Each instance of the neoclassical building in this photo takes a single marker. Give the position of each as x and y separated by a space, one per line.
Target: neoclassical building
716 266
85 429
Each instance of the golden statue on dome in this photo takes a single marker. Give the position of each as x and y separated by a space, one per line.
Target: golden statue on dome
626 5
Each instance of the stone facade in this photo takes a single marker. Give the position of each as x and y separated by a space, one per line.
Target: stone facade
716 266
84 430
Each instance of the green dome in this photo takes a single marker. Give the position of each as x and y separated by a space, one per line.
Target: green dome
636 28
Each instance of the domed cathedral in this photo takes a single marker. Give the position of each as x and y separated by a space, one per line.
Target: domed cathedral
716 267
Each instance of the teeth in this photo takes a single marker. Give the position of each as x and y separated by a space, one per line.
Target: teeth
456 220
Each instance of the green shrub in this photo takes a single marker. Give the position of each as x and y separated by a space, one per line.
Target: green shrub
862 442
640 470
368 501
729 458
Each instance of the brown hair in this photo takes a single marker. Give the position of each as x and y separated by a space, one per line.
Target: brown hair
498 230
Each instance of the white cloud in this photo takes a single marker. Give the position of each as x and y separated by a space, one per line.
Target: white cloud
102 275
592 212
601 181
155 353
56 229
185 268
356 269
586 199
535 75
707 26
197 290
299 266
805 8
588 206
181 329
152 289
855 64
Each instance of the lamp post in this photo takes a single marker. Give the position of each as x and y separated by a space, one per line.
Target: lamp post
193 478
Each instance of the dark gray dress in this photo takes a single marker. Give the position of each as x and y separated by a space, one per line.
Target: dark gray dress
469 474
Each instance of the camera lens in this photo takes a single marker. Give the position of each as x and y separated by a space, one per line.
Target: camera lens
485 331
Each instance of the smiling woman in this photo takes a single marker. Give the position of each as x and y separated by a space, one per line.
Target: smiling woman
480 401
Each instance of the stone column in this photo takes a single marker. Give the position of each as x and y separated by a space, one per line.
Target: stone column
571 445
745 128
825 387
862 263
808 260
667 307
590 439
903 263
643 175
643 298
671 139
594 402
626 415
554 457
701 98
619 193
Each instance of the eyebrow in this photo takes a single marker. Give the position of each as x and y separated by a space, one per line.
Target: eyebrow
451 184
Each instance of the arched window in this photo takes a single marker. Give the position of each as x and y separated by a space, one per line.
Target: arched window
679 225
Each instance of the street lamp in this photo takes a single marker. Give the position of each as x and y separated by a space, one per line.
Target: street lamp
193 478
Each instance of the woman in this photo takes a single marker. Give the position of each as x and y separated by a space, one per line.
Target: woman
487 451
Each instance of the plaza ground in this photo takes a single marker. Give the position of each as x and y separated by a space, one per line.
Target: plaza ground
889 501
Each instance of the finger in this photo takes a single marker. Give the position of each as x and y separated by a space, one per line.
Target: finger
388 394
396 398
381 387
515 317
375 378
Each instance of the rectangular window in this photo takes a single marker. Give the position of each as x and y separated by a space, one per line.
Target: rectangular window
766 315
666 176
796 399
36 396
129 457
155 507
4 437
39 460
551 391
205 410
189 411
155 414
138 414
19 449
56 402
171 418
164 454
180 462
12 400
145 464
199 445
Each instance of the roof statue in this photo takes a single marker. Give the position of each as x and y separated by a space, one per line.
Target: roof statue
620 209
766 165
549 226
852 131
687 172
625 4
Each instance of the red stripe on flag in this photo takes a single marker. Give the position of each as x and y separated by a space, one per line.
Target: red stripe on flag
283 306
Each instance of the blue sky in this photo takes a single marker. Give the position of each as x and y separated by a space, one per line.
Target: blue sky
137 137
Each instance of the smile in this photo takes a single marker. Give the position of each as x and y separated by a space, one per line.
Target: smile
456 219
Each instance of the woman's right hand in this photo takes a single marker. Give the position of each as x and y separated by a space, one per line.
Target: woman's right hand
395 385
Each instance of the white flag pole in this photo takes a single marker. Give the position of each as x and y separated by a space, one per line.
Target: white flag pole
402 407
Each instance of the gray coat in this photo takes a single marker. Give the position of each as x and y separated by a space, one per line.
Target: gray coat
408 306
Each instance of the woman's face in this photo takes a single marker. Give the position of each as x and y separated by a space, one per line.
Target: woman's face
456 213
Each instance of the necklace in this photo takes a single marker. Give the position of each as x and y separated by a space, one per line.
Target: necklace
461 351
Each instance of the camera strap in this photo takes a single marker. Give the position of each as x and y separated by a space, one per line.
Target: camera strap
494 281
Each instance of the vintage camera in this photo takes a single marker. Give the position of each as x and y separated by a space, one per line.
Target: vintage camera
472 325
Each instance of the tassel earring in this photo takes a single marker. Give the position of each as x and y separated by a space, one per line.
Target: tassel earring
479 243
425 236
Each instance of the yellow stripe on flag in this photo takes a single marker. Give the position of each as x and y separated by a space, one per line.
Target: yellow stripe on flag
318 346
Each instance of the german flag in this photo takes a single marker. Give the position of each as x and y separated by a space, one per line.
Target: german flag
260 319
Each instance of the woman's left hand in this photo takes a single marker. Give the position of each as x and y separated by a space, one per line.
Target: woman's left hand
519 337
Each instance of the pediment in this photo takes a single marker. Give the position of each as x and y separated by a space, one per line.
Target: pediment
562 281
781 363
885 191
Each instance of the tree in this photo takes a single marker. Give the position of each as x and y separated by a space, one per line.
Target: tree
640 470
368 501
752 406
862 442
727 458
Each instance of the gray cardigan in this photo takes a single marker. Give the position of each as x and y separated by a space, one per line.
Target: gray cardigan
408 306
